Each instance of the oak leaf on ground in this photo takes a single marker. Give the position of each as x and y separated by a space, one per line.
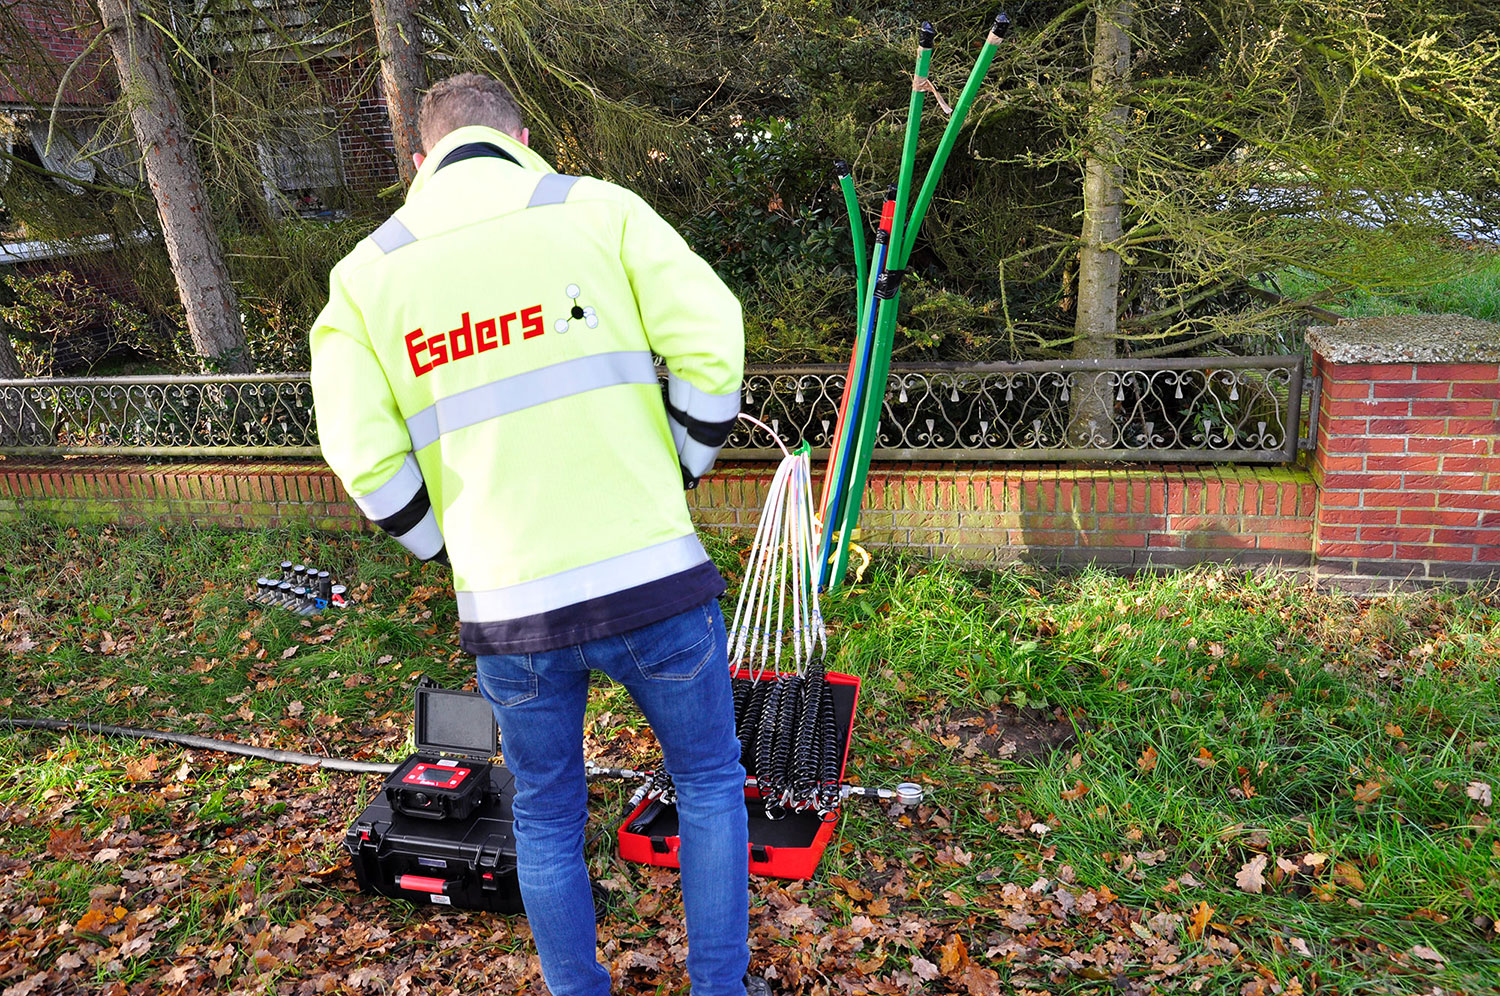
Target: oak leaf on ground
1251 877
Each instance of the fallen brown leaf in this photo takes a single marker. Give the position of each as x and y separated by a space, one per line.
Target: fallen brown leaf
954 955
1348 876
1202 913
90 922
1078 791
139 769
63 843
1251 877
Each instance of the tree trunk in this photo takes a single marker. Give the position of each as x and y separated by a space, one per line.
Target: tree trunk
213 313
1092 421
402 76
10 367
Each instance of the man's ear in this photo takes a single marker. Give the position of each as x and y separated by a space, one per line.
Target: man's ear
418 159
525 137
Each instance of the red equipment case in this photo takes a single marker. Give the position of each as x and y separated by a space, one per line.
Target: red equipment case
787 848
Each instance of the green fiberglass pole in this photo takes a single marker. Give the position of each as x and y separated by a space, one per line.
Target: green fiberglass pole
998 31
841 452
890 296
878 370
926 36
857 230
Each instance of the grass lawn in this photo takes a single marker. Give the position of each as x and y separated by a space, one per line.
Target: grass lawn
1475 293
1194 782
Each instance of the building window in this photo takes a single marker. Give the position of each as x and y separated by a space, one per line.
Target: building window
299 160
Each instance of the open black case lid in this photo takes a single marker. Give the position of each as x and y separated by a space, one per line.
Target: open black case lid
455 722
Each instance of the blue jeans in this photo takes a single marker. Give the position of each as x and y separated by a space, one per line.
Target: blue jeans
677 671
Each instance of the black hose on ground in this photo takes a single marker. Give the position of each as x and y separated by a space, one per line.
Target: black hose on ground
201 743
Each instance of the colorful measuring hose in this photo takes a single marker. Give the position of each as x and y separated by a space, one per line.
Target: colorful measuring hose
835 481
860 430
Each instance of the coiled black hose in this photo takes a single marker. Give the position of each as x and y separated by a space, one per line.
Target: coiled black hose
829 756
765 742
787 716
806 756
749 731
741 693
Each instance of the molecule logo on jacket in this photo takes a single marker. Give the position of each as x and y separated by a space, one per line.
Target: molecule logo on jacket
576 312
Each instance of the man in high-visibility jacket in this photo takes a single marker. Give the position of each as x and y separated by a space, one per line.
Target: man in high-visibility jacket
485 390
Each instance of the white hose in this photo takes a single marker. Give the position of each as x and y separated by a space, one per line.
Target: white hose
777 610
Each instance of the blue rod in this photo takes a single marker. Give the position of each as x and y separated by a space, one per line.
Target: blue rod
856 388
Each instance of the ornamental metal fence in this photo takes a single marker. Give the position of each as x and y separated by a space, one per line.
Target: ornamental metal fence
1202 409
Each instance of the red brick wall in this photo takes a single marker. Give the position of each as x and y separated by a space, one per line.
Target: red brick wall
1408 469
1404 483
233 494
50 35
1124 517
365 143
1127 517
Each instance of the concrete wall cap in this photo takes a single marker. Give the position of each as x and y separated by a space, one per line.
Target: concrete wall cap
1408 339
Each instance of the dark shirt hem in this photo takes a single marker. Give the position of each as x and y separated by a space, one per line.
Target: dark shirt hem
597 618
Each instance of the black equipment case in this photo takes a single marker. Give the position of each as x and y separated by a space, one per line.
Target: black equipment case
440 830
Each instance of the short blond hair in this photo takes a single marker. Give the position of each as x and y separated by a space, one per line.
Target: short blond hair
467 99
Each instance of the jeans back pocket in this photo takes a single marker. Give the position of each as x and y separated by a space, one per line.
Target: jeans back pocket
674 649
506 679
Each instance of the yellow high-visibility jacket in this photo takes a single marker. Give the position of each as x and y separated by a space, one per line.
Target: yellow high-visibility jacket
485 389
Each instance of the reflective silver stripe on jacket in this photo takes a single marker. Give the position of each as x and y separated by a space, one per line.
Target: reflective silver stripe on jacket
552 188
580 584
696 458
392 235
699 404
424 539
392 496
536 387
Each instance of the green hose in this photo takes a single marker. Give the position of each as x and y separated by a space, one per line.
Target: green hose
903 238
857 230
887 302
950 134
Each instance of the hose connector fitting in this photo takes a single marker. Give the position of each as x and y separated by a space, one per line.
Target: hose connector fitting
1001 27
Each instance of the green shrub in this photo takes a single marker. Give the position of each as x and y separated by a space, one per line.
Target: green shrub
62 324
282 280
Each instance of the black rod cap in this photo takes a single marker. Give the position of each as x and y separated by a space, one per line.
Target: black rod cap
1002 25
841 168
926 35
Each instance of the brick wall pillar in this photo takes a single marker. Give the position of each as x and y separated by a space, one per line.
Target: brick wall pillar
1408 456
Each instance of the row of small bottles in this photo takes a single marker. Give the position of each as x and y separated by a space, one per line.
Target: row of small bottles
300 589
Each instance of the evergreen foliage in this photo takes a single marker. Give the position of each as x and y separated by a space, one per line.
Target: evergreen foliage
1344 138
